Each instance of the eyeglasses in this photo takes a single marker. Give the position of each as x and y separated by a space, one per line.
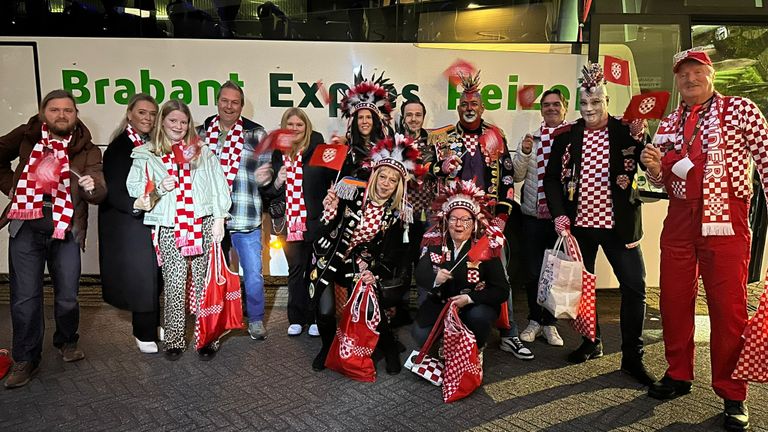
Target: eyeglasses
460 221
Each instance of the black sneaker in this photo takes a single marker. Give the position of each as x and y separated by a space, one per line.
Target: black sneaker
636 369
668 388
736 415
588 350
206 353
173 354
21 373
318 363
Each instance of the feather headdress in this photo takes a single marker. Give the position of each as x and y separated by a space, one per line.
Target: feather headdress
469 83
400 153
376 94
592 77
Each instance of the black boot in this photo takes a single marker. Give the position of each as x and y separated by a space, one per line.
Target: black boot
736 415
634 367
668 388
327 329
588 350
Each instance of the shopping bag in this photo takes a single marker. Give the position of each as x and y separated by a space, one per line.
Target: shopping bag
356 336
463 369
753 360
220 308
423 365
586 318
560 282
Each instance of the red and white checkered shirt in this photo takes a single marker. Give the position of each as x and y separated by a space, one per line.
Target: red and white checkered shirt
471 142
595 208
369 225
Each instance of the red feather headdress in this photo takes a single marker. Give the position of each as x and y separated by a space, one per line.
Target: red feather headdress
376 94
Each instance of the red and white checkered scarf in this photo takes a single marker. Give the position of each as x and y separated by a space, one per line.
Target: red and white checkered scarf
229 154
296 210
542 156
28 198
716 217
188 230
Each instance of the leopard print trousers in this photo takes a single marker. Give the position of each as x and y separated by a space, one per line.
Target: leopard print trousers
175 269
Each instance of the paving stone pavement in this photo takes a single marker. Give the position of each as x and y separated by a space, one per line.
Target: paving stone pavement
270 386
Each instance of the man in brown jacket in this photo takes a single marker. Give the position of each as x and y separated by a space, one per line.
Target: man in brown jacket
58 174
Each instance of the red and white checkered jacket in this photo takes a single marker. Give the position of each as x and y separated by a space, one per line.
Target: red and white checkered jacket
746 135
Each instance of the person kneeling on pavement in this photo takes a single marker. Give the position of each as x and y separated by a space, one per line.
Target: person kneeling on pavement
445 272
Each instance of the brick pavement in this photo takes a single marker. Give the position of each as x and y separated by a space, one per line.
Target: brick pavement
269 385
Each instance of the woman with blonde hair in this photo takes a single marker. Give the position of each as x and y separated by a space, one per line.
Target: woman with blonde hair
130 278
187 210
296 204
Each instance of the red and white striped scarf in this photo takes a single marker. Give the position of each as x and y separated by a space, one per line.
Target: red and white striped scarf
296 210
229 154
542 156
134 136
28 198
188 230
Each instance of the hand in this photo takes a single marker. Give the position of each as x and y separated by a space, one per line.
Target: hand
367 277
336 139
143 203
86 182
331 200
281 176
442 276
461 300
217 232
263 174
651 158
527 144
168 183
562 225
451 164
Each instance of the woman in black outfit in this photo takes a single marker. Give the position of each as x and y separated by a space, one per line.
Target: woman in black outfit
129 272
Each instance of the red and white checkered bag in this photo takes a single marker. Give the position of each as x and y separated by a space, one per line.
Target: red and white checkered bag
586 319
463 367
753 360
420 363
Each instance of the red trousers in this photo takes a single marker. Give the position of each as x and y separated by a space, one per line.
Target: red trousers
722 263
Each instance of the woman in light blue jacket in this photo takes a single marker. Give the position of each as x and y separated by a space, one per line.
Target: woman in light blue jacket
186 210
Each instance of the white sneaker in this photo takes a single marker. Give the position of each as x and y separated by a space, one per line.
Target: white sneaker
295 329
552 336
146 347
514 346
313 331
531 332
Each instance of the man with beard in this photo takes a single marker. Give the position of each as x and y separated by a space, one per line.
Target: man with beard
233 139
58 175
475 150
588 181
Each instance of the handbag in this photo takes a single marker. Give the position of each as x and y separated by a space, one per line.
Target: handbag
220 309
356 336
423 365
753 359
560 281
463 368
586 316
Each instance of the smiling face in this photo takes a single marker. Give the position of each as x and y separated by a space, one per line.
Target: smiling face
297 126
364 118
175 125
60 116
460 222
552 110
142 116
470 110
695 82
594 109
230 106
413 117
387 180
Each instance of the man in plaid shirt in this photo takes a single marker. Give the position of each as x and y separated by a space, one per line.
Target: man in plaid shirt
233 138
702 154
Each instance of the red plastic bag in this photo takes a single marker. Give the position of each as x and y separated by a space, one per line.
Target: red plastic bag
356 336
753 360
220 310
463 369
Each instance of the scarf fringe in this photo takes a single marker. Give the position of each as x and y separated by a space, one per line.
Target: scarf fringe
26 214
59 233
717 229
295 236
408 214
346 191
191 250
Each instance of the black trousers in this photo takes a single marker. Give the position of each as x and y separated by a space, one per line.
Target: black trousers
28 253
145 325
538 236
299 257
479 319
629 268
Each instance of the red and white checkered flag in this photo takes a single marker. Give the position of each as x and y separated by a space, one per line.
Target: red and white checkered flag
753 360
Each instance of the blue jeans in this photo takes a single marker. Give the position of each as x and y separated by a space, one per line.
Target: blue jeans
248 247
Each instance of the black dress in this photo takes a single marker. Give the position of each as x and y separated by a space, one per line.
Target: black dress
129 272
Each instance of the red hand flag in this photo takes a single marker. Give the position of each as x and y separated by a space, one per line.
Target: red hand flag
326 97
460 66
649 105
278 139
492 143
329 155
526 96
616 70
150 186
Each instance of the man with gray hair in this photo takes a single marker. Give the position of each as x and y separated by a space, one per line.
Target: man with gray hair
702 155
588 185
58 175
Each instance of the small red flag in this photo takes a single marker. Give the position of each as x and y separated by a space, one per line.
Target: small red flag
326 97
278 139
492 143
150 186
480 251
526 96
329 155
616 70
460 66
649 105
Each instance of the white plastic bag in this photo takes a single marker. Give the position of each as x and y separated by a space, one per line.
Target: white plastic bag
560 282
